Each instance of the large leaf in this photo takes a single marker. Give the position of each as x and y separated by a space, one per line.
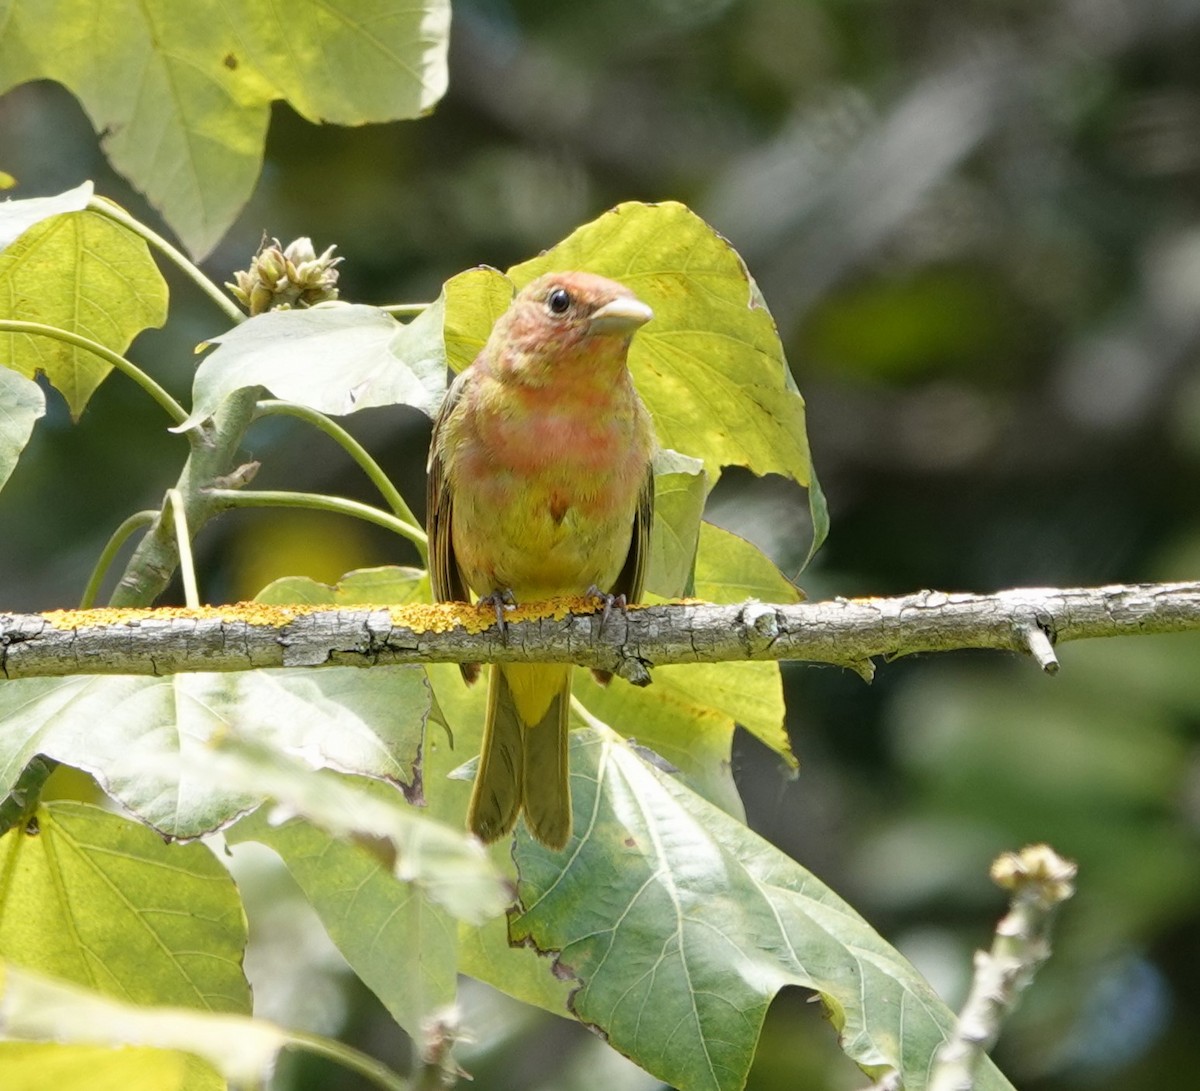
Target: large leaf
354 721
83 273
398 941
21 404
334 358
182 91
710 366
100 900
681 925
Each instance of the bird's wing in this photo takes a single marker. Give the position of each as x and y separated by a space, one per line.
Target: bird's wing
445 577
633 575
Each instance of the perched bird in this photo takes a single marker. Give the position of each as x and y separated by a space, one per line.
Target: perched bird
540 486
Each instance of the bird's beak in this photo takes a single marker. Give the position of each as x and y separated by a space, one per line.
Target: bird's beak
620 315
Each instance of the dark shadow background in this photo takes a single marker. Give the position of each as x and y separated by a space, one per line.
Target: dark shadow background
978 226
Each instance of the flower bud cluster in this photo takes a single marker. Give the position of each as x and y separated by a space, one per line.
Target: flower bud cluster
280 278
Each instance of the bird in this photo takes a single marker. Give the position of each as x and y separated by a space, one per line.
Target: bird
541 486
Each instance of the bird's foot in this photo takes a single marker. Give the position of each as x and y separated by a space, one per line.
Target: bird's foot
607 601
501 599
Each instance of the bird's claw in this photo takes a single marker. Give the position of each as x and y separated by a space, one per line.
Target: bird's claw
501 600
607 602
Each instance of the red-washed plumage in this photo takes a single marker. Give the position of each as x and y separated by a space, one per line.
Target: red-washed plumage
540 486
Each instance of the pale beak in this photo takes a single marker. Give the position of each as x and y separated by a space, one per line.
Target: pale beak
621 315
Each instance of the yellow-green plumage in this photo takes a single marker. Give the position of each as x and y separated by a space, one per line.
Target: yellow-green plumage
540 486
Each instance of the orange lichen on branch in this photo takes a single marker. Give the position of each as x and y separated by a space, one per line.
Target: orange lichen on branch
420 617
251 613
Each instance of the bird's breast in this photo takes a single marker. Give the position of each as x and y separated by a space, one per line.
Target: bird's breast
544 500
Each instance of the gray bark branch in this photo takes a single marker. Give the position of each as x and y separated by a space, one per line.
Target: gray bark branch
844 632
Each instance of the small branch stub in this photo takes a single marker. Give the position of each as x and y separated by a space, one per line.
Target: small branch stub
1040 880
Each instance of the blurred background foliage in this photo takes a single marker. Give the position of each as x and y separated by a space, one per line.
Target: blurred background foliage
978 226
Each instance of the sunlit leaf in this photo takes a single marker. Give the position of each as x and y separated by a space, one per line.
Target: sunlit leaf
83 273
473 301
101 900
681 925
334 358
367 722
182 92
35 1066
21 405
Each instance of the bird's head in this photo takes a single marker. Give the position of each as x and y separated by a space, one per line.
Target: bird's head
565 319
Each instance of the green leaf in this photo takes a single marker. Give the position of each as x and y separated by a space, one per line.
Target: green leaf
700 923
687 716
334 358
472 302
388 584
441 862
17 217
142 737
710 367
730 569
35 1066
100 900
35 1007
243 1050
21 404
679 491
182 92
399 942
80 272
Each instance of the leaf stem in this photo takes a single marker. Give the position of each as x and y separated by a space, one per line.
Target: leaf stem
373 1070
187 566
355 450
265 498
21 802
173 409
114 212
114 543
405 308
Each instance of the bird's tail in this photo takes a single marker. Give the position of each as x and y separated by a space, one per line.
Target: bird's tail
523 764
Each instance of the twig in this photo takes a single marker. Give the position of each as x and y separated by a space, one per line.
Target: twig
1040 881
844 632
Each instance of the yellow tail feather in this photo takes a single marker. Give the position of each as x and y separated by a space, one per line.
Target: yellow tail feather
523 764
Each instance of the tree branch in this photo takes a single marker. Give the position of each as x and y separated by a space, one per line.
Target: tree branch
844 632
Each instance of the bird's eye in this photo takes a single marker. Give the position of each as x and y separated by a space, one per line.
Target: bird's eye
559 301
